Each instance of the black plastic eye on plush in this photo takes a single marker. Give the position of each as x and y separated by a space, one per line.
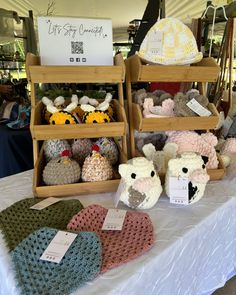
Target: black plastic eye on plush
133 175
203 166
152 173
185 170
67 121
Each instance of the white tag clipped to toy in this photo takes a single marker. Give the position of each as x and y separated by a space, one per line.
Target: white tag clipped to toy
155 42
198 109
120 189
226 126
45 203
178 190
58 246
114 219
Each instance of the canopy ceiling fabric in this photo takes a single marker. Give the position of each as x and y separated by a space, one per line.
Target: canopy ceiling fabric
121 12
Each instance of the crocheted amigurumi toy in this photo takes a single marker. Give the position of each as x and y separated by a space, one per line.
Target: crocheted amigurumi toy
190 141
81 148
165 110
180 107
54 147
58 102
160 158
108 149
228 151
158 96
61 170
178 45
142 185
192 166
61 116
96 167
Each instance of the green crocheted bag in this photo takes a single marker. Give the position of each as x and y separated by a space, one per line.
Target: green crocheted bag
81 263
18 220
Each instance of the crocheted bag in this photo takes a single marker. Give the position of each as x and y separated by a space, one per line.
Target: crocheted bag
118 247
18 221
80 264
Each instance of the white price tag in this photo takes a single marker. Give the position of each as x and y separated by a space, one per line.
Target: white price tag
226 126
178 190
58 246
155 42
114 219
45 203
198 109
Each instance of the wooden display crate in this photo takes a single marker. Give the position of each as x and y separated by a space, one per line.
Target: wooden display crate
42 132
174 123
81 188
206 70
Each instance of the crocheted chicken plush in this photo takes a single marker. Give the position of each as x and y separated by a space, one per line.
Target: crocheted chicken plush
142 186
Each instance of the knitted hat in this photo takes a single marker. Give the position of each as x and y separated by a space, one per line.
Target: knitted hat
18 220
96 167
108 149
80 264
81 148
118 247
169 42
54 147
61 170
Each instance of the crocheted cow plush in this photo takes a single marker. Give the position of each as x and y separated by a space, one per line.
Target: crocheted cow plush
192 166
142 186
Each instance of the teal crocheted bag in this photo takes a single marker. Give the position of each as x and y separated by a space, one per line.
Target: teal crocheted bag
81 263
18 220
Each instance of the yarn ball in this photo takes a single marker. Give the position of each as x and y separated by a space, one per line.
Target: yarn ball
54 147
96 168
96 117
62 117
118 247
81 148
61 170
81 263
108 149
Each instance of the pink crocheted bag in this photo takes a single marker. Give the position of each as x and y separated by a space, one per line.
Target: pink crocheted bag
118 247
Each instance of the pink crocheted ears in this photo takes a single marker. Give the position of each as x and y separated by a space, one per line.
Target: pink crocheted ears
118 247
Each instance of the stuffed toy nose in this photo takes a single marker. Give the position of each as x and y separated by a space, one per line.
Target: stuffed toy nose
199 176
144 184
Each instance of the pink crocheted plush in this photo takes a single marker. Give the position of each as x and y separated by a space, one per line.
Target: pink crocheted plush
165 110
190 141
118 247
229 146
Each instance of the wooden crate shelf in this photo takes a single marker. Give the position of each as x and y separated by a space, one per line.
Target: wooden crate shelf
113 129
206 70
173 123
81 188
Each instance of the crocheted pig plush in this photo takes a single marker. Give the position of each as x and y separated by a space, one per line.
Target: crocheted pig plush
142 186
191 166
190 141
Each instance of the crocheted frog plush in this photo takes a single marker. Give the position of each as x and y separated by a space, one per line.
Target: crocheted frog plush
192 166
142 185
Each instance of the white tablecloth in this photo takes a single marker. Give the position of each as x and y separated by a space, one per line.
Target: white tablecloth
194 251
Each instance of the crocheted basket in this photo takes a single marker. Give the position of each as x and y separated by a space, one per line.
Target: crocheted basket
119 247
177 46
81 263
18 220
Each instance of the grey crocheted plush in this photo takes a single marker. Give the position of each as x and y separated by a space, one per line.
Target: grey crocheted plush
81 263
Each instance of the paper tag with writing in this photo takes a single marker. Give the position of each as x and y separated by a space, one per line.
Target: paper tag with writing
155 42
120 189
198 109
58 246
114 219
45 203
226 126
178 190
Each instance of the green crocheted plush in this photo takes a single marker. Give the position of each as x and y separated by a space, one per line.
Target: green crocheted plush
18 220
81 263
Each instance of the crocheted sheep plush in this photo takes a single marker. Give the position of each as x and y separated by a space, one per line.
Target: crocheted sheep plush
142 186
191 166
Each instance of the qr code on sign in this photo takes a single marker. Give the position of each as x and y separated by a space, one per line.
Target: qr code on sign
77 47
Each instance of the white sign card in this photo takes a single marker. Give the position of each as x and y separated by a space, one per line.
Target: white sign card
75 41
45 203
197 108
114 219
58 246
178 190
